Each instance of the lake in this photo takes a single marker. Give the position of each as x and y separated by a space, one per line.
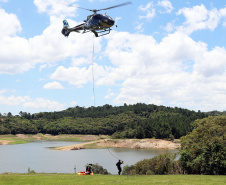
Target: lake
39 156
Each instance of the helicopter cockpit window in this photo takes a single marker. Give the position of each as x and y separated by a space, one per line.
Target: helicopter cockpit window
97 16
108 17
88 17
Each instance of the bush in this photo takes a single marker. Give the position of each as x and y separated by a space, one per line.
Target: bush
128 170
159 165
97 169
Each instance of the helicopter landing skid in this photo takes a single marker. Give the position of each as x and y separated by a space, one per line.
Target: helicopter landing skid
105 32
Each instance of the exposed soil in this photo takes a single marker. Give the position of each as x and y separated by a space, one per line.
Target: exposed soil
7 139
5 142
125 143
95 141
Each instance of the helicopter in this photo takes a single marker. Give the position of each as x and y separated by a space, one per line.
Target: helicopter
99 24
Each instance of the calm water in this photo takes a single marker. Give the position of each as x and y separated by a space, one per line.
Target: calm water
41 158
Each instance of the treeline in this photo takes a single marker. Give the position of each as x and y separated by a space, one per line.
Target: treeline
203 151
127 121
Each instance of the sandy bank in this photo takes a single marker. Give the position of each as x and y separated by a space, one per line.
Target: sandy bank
5 142
26 138
125 143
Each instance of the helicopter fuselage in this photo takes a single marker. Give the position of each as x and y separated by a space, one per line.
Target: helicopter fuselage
98 22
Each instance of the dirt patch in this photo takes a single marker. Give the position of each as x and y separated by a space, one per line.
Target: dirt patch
22 136
5 142
6 139
88 137
125 143
71 136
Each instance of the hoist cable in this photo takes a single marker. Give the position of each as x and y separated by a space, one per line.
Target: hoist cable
93 75
112 154
94 92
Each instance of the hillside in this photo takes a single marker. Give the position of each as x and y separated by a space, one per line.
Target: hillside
127 121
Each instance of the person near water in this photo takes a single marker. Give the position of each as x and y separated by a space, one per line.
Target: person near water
118 164
89 169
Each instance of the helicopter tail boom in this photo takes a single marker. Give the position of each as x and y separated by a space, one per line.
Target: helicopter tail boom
66 30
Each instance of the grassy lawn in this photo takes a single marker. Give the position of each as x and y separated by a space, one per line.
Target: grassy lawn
110 179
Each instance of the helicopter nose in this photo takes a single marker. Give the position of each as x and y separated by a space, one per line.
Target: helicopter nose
111 22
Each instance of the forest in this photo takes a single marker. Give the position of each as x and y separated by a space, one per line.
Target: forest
127 121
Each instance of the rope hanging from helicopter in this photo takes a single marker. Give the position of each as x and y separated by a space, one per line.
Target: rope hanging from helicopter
112 154
94 98
94 90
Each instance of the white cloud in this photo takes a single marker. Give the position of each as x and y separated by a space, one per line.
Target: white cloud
20 54
53 85
223 14
78 76
13 100
110 94
169 27
28 102
10 25
4 1
199 18
41 103
73 103
139 27
52 7
166 4
148 10
157 73
44 66
3 91
80 61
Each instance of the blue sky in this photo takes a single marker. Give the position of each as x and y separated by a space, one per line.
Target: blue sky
163 52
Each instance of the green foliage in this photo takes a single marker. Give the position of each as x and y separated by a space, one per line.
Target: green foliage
128 121
128 170
159 165
203 151
97 169
216 113
29 171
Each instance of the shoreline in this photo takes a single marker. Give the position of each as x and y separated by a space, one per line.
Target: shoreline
91 141
124 143
27 138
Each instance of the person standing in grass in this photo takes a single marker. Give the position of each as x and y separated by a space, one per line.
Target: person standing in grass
118 164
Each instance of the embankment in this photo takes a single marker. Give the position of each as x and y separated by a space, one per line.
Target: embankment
125 143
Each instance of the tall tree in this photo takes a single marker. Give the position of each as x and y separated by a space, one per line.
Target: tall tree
203 151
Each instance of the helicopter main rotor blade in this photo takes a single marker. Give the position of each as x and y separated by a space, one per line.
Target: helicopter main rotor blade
123 4
95 10
84 8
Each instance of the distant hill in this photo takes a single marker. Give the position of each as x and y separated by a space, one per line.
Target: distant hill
127 121
216 113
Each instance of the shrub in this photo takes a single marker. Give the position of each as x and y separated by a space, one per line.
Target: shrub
97 169
159 165
128 170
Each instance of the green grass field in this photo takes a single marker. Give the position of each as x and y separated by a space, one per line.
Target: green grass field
68 179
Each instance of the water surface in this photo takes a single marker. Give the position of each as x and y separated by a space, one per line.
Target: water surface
39 156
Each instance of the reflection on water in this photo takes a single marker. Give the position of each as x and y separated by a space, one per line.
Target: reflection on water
38 156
